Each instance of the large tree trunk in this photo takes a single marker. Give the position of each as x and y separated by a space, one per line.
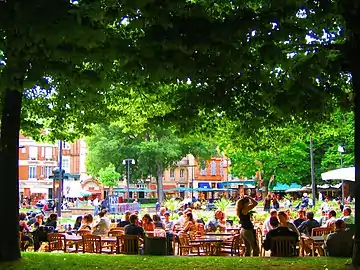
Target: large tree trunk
9 156
159 184
351 9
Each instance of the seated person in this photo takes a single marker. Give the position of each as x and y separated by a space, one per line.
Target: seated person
278 231
305 229
215 223
158 223
300 219
103 225
132 228
78 222
126 220
52 221
339 243
169 224
147 223
267 227
310 223
347 217
86 222
284 222
322 220
330 223
32 219
189 224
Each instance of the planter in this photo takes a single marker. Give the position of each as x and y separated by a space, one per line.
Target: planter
81 211
66 213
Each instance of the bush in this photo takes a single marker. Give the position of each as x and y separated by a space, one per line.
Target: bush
222 204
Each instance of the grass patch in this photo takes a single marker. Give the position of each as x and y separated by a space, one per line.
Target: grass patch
25 210
144 205
101 262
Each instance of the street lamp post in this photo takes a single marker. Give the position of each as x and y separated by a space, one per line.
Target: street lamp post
61 180
313 182
127 162
341 150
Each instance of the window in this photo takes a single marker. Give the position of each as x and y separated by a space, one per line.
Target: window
66 146
203 168
172 173
182 173
42 151
48 153
222 168
213 167
23 150
32 172
66 164
48 171
33 152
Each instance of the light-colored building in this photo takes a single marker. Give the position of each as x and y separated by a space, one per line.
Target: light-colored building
37 160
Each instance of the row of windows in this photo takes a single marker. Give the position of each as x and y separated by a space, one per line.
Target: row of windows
203 169
47 170
46 152
172 173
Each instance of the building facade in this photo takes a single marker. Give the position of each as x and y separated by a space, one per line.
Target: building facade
37 160
189 173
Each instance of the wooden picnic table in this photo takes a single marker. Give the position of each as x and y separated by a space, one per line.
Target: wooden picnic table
211 243
319 239
219 234
77 239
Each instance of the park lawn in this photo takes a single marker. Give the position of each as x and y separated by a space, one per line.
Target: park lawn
145 205
101 262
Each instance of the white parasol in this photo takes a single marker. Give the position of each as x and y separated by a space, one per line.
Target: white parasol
340 174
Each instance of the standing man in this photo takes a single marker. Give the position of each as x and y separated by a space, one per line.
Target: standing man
96 204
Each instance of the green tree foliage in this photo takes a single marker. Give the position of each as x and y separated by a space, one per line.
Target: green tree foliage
108 176
154 150
284 152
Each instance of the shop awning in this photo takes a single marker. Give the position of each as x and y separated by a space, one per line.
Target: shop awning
238 182
36 190
212 189
204 185
283 187
178 189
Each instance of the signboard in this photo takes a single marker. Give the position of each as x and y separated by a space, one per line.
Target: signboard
112 203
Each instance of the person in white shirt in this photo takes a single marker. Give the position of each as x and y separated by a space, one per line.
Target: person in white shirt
325 206
347 217
330 223
267 227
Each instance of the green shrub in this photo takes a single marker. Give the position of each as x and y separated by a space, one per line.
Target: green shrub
222 204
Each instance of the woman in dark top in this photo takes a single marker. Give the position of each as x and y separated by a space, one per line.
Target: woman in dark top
243 206
267 203
52 221
77 224
275 202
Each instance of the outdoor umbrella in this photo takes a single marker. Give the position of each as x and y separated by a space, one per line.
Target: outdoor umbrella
340 174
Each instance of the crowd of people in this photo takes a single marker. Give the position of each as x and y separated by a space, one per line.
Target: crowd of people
281 223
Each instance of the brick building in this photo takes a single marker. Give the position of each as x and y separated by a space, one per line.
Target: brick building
37 160
189 173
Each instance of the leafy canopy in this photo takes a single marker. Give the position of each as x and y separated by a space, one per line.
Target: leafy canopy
108 176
